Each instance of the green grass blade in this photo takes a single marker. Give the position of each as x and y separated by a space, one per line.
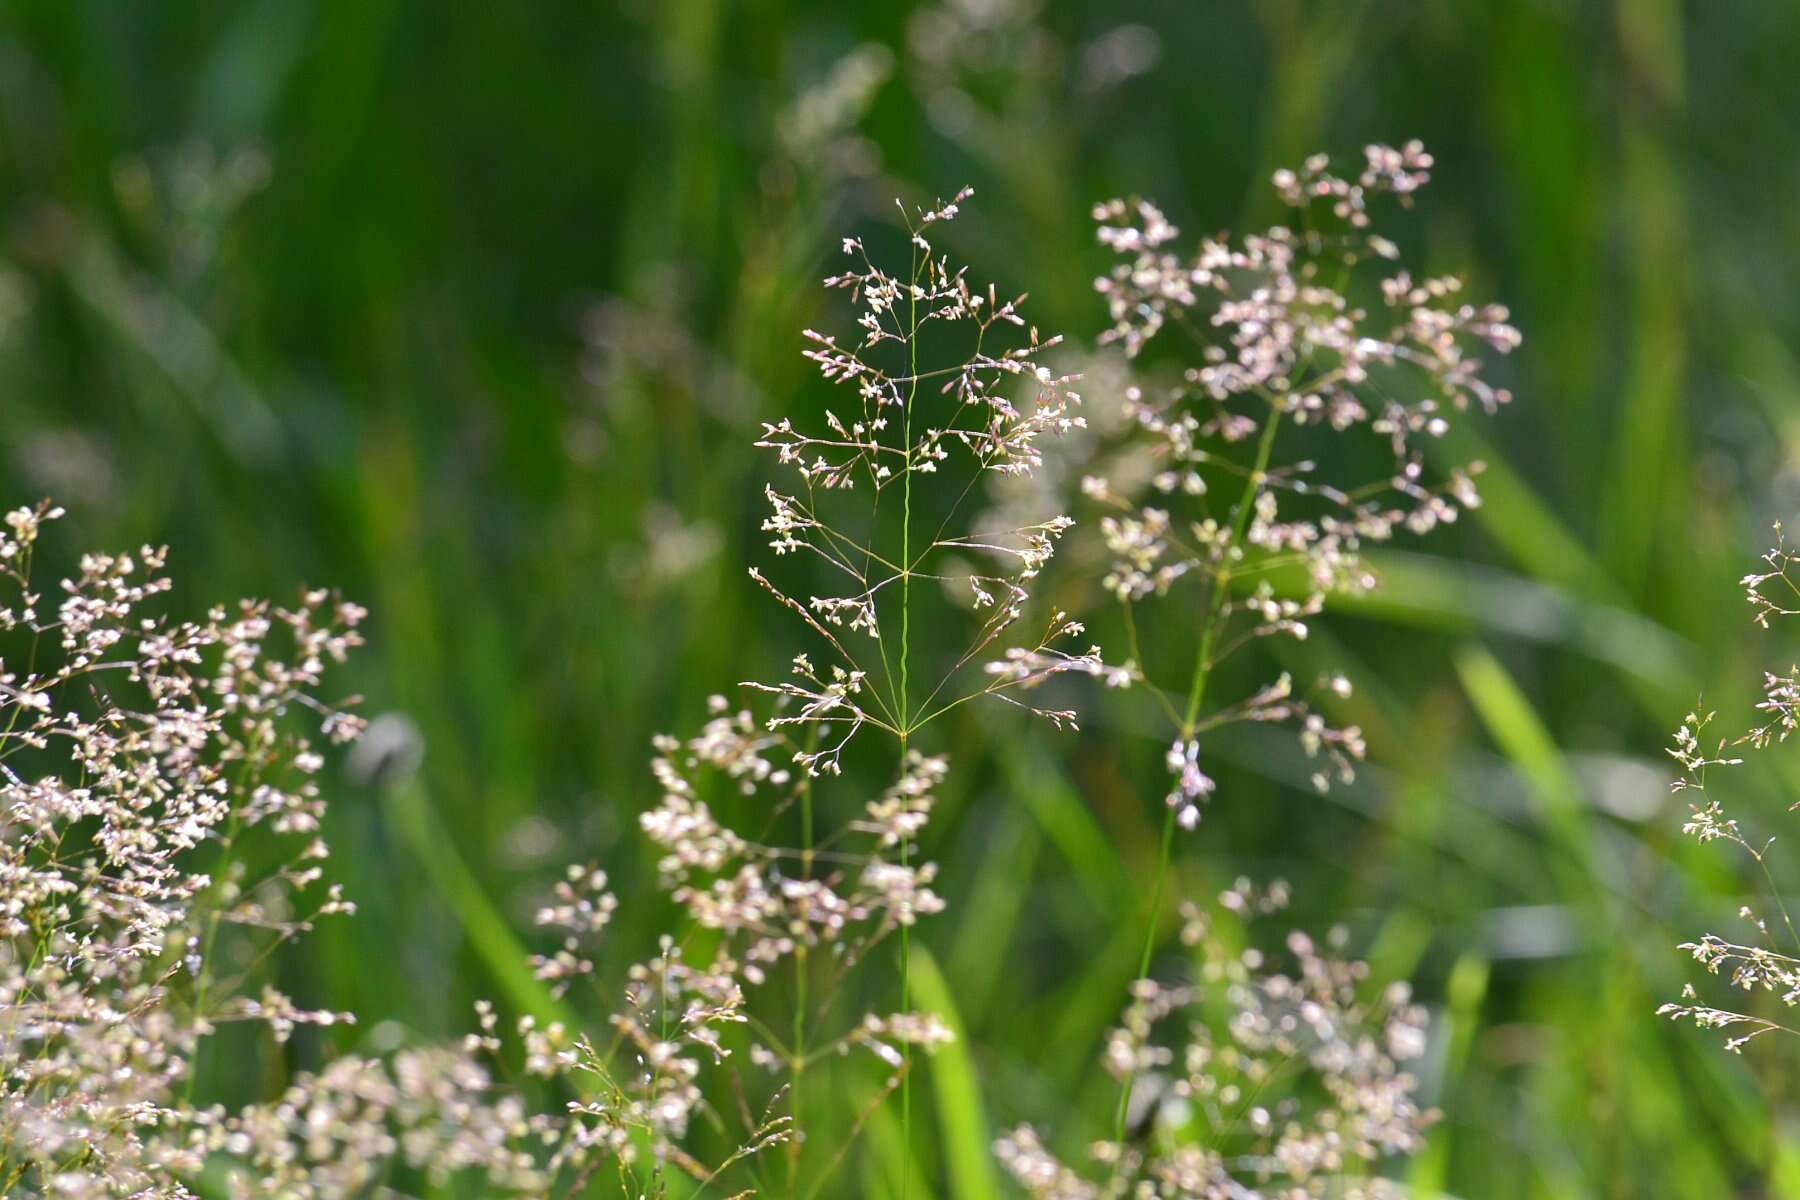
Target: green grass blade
487 930
962 1115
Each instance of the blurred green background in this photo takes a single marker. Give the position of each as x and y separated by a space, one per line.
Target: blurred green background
471 310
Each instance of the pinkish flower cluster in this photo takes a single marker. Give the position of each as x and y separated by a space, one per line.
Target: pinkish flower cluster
1229 499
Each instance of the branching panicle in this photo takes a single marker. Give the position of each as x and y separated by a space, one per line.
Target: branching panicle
1298 332
1768 961
139 758
1303 1081
919 415
873 504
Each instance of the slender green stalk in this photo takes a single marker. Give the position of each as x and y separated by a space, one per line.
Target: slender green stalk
800 966
228 848
1209 630
1221 589
1156 900
905 716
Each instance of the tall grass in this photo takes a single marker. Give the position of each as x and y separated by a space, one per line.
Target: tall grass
481 405
654 1065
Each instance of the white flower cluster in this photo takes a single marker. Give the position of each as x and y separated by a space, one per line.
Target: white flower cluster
1766 962
1297 1077
1228 497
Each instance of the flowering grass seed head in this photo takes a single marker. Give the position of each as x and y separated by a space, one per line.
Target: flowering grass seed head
1297 339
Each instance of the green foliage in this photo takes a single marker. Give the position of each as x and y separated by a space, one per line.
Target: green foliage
471 311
